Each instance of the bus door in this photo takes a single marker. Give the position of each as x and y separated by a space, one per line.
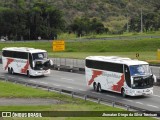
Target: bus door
30 60
127 75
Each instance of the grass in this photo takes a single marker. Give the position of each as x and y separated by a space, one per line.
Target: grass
93 35
144 45
10 90
147 48
81 55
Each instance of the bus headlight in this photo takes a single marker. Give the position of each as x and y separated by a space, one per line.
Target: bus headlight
133 85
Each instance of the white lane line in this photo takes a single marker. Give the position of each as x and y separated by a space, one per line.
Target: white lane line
152 106
11 77
139 103
110 96
156 95
67 79
81 90
44 83
32 81
56 85
70 87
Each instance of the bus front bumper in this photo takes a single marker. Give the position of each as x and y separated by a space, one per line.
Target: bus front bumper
40 73
140 92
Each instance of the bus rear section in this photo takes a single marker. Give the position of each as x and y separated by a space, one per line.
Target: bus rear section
28 61
120 75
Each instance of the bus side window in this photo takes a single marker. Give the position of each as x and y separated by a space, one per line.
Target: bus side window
127 75
30 60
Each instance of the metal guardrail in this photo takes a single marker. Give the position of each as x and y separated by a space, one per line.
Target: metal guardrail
73 65
82 95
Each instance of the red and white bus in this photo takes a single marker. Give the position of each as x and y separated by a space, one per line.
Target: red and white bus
120 75
28 61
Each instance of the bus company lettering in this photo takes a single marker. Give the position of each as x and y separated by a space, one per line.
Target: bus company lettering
112 75
20 61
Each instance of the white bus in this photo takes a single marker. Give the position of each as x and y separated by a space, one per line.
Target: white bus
28 61
120 75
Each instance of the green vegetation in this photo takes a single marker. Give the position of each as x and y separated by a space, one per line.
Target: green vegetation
147 48
11 90
29 19
147 56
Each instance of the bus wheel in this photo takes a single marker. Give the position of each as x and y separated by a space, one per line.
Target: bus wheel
28 74
94 86
123 92
12 72
9 71
99 88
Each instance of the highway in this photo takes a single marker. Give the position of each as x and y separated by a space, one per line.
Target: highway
76 82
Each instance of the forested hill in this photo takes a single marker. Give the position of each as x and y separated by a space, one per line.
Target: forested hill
116 15
113 13
104 9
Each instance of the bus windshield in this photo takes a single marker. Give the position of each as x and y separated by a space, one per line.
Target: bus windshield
39 56
140 70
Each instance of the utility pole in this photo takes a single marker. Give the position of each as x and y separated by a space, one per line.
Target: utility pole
141 21
127 23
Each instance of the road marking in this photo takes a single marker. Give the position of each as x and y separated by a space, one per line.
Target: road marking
111 96
156 95
11 76
152 106
67 79
44 83
56 85
81 90
139 103
32 81
70 87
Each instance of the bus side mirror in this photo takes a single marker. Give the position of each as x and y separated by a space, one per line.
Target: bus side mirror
33 64
51 62
155 78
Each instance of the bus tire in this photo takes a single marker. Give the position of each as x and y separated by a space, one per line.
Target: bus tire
123 93
94 86
99 88
9 71
12 71
28 74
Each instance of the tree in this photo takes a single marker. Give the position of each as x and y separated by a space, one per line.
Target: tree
84 25
37 19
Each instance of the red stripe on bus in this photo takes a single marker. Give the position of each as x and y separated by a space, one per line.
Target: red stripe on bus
119 84
24 70
9 60
95 74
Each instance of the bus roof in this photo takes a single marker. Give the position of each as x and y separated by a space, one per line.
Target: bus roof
24 49
116 59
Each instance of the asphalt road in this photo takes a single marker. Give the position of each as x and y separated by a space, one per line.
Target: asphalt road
76 82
